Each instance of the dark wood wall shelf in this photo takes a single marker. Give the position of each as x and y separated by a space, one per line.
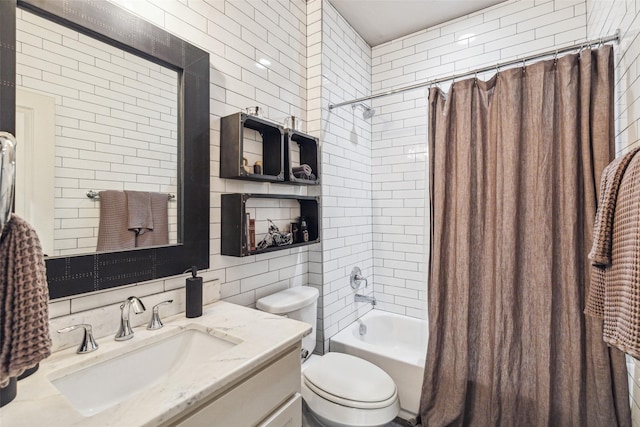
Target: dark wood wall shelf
233 239
309 154
277 155
232 148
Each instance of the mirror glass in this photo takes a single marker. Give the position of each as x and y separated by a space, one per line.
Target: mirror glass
89 117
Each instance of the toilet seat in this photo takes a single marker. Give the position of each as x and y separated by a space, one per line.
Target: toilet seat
350 381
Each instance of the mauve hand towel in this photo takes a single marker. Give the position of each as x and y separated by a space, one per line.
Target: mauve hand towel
140 216
160 233
113 233
24 301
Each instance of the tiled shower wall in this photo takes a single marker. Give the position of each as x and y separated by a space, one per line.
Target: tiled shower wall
346 171
605 17
237 35
500 33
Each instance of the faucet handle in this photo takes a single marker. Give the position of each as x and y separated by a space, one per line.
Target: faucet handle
357 277
155 322
88 344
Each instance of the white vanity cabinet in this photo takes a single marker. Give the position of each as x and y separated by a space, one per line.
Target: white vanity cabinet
268 397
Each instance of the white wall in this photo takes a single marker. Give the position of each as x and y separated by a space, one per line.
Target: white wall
605 17
237 34
346 172
399 149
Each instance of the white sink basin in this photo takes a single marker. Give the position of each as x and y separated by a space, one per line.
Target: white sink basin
97 387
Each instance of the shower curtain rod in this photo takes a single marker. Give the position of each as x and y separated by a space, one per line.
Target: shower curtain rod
555 52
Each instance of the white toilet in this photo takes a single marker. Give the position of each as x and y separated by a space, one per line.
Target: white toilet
340 390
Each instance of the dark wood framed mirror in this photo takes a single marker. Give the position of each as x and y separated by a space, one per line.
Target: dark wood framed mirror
72 275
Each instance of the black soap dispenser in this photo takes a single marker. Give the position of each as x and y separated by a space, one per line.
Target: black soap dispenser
194 294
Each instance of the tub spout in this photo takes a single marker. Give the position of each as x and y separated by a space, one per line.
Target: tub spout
364 298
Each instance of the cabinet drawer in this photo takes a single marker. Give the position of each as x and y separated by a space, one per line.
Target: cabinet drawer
288 415
250 401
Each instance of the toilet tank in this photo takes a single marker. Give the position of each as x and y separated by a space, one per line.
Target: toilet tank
299 303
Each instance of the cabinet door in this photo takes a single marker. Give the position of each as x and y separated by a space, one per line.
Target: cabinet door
288 415
254 399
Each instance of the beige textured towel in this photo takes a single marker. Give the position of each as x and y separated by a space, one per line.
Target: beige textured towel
603 227
600 254
140 216
24 301
160 233
113 233
615 289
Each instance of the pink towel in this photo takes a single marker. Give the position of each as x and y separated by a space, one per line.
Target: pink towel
160 212
24 301
113 233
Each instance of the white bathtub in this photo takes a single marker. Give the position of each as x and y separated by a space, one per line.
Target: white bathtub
395 343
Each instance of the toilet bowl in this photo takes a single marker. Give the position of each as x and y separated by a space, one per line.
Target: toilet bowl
338 389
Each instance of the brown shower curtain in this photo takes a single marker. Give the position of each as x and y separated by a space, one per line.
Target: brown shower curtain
515 167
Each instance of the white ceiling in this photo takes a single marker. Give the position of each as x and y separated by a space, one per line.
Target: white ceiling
379 21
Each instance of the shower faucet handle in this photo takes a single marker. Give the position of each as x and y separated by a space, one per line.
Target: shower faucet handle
357 278
88 344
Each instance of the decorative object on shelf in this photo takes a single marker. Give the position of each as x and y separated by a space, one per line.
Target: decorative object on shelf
257 168
245 165
292 123
295 229
247 237
275 237
304 230
252 234
303 171
254 111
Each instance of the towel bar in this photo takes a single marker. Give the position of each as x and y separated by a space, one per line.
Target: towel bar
95 195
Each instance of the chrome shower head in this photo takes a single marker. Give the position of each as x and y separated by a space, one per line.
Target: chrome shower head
367 112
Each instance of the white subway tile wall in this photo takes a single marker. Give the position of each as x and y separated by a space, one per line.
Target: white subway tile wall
116 124
258 56
399 154
314 127
605 17
346 168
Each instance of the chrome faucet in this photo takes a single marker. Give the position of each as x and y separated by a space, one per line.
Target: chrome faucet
155 322
125 332
88 344
364 298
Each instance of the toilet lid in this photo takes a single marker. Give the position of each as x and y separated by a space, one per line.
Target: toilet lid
350 381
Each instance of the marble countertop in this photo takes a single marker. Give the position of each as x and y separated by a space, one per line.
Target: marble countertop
259 335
